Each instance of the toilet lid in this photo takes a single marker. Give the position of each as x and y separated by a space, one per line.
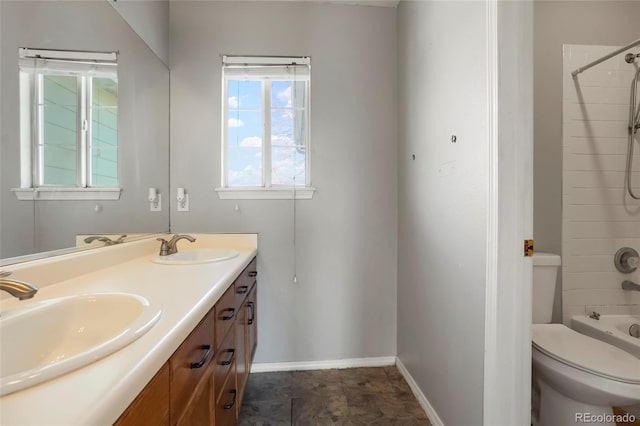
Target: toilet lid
586 353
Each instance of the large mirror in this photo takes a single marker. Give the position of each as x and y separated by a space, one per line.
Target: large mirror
37 225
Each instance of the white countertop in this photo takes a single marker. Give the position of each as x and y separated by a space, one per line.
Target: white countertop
98 393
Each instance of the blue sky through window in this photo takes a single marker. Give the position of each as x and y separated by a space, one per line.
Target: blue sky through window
245 132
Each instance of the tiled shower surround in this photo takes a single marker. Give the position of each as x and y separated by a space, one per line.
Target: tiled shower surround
598 216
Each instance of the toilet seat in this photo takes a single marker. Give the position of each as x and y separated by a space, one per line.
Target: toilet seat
585 353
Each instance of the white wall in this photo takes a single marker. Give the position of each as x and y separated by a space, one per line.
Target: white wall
442 203
150 20
143 128
556 23
598 216
344 305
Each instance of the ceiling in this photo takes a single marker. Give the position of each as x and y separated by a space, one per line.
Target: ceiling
379 3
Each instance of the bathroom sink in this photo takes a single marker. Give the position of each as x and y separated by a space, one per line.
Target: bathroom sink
196 256
45 340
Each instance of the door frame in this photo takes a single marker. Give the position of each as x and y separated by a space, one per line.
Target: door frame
507 362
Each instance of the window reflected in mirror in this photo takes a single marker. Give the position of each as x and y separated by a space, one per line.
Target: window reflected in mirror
69 118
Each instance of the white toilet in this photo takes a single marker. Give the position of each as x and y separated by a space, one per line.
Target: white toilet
578 378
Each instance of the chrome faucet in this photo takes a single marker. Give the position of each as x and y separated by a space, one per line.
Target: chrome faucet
630 285
171 246
106 240
16 288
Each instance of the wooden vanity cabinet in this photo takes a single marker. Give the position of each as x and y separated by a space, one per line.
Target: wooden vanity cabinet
241 364
199 410
245 287
151 406
252 324
225 314
203 382
227 405
245 281
224 363
190 365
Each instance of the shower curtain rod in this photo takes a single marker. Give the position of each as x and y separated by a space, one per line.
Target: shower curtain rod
604 58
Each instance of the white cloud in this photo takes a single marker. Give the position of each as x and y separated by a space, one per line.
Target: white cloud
282 140
234 122
287 168
251 141
285 96
248 176
233 102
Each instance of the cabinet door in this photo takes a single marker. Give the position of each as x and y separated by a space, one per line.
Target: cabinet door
252 324
151 406
200 410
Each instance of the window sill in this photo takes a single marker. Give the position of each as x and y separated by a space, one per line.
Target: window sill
70 194
305 193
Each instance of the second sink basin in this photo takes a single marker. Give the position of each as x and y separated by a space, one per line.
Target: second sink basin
44 340
196 256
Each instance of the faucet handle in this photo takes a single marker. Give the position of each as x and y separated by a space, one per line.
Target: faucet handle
626 260
164 247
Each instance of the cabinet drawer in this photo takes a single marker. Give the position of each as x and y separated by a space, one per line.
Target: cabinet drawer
189 363
244 282
225 314
226 404
225 358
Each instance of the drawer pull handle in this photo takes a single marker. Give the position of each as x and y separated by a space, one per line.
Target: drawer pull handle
242 289
253 274
252 314
230 360
232 312
204 359
233 401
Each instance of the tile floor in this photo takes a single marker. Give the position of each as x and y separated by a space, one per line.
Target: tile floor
355 396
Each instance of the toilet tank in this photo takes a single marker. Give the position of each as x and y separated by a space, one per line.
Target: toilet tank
545 274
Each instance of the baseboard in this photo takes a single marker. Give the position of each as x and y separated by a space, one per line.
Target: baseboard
323 365
424 402
265 367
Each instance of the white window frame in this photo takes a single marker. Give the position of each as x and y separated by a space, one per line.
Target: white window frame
82 65
260 68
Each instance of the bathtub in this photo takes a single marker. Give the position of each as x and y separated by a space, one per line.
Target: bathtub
613 329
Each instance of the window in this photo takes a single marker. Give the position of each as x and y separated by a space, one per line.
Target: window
69 123
265 131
